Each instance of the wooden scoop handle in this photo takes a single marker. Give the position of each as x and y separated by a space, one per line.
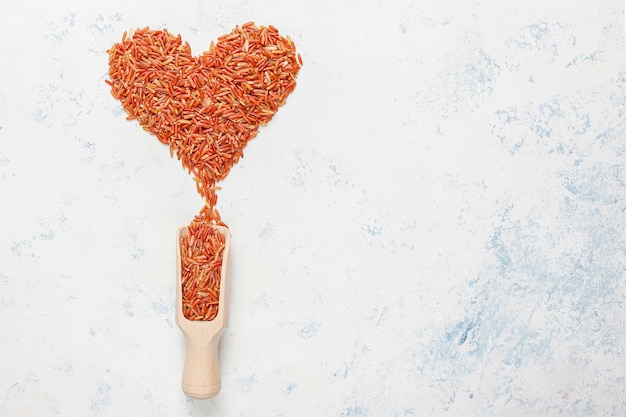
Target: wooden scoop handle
201 373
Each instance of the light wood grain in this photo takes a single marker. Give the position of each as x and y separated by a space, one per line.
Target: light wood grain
201 372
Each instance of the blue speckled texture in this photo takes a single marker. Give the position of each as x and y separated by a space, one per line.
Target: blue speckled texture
432 226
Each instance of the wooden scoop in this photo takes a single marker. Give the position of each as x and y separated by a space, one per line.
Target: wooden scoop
201 374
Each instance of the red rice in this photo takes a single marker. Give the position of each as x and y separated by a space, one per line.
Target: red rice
206 109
